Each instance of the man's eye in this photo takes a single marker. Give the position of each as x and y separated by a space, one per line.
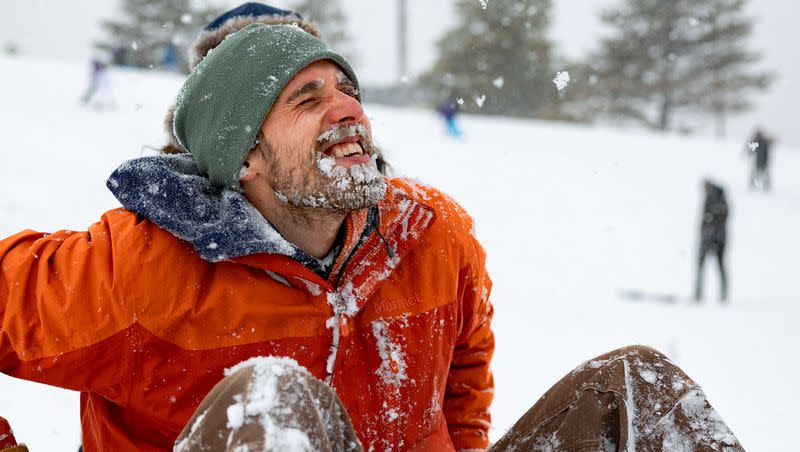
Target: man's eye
307 101
350 91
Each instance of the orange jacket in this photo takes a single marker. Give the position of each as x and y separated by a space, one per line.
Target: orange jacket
134 319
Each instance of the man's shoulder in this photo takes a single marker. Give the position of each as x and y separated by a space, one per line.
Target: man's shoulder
130 230
122 220
430 196
451 216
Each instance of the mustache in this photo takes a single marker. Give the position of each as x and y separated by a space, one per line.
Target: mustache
339 132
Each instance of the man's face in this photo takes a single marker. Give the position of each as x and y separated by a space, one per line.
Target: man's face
317 147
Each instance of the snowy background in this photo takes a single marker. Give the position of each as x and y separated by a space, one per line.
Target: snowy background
66 31
571 218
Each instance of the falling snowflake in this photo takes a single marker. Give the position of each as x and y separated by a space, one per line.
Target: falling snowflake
460 101
753 145
498 82
484 3
480 100
561 80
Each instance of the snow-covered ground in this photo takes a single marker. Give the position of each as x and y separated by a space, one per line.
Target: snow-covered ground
572 218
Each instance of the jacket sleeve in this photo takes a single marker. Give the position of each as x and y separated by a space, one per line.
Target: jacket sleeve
470 387
59 306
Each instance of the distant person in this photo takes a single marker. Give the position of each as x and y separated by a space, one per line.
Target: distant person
713 236
98 93
94 76
169 58
759 146
449 109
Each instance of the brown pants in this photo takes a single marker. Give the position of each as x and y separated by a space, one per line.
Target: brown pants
632 399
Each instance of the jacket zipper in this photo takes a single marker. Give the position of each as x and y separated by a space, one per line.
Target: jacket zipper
339 321
339 324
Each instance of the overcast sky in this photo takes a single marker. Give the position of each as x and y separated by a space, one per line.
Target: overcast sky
65 30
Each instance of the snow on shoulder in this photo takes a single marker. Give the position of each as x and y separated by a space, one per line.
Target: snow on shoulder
448 210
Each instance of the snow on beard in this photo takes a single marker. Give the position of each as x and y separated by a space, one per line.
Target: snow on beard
334 187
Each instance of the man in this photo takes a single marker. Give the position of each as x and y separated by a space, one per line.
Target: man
713 236
98 94
278 237
759 147
449 108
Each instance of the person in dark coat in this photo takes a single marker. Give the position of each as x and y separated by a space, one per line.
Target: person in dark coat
759 147
713 235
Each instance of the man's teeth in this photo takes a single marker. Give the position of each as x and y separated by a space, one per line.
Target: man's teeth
346 149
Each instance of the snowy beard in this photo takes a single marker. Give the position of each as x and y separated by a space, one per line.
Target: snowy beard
323 184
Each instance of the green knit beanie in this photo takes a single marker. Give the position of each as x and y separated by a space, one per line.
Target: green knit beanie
227 96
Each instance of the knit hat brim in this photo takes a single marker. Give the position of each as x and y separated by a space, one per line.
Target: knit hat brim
210 38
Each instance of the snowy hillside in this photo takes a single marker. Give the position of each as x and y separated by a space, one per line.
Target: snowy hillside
574 220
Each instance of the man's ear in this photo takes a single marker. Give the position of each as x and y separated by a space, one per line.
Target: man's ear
246 173
253 163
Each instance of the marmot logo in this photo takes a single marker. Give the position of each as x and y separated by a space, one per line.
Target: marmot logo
392 305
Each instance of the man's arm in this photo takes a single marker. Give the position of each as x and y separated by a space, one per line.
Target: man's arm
470 387
58 302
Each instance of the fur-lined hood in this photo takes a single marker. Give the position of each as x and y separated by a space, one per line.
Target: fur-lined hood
220 223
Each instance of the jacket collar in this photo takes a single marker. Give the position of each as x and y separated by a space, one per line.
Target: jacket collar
222 225
366 259
219 222
404 221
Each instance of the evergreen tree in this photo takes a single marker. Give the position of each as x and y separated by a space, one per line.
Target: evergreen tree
331 21
677 55
156 33
500 52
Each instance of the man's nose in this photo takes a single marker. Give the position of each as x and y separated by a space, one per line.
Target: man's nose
345 109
